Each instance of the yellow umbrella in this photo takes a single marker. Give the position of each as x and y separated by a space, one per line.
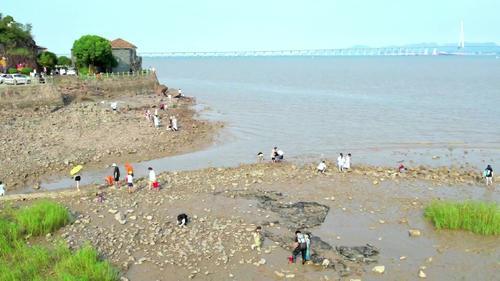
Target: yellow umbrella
75 170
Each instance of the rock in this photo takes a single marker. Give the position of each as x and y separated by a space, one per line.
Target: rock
414 232
37 186
325 263
149 218
123 278
111 211
262 261
290 275
375 182
422 274
120 218
379 269
279 274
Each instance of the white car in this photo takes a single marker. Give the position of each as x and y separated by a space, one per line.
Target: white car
2 77
14 79
71 72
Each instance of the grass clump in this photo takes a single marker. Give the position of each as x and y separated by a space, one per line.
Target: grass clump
478 217
42 217
22 261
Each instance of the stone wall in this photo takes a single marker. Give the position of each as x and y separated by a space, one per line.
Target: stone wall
21 96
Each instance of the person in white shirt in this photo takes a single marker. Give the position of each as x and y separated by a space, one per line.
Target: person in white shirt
340 162
281 155
152 177
156 121
174 124
321 167
274 154
347 162
130 182
2 189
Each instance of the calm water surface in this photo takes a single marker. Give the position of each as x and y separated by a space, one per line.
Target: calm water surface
381 109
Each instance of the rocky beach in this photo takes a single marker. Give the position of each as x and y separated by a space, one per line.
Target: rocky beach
45 141
343 211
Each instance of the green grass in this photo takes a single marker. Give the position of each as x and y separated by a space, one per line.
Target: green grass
21 261
42 217
478 217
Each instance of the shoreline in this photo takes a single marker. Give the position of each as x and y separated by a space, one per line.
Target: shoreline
226 204
52 143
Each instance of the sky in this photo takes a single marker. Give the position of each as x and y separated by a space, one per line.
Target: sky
232 25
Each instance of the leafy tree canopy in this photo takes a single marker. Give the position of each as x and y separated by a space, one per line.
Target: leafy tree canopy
93 51
47 59
64 60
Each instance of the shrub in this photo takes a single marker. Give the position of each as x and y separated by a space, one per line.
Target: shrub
26 70
42 217
478 217
12 70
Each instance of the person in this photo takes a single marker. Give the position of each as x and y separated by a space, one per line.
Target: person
340 162
116 175
78 178
114 106
300 245
488 175
321 167
258 239
280 155
307 237
402 168
152 177
182 220
156 121
180 93
162 106
260 156
174 123
2 189
274 154
347 162
130 182
148 115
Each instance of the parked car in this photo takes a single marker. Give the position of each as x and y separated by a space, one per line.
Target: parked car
71 72
2 77
14 79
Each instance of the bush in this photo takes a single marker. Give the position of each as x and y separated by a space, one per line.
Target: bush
12 70
478 217
26 70
42 217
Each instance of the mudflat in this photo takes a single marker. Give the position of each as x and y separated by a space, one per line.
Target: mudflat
39 142
370 205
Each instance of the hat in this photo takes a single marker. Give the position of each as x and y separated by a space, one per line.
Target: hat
114 165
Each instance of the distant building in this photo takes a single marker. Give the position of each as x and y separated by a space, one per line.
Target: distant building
126 56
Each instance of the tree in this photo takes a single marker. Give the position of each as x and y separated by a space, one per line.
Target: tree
64 60
47 59
93 51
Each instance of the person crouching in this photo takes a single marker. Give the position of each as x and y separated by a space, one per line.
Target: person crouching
182 220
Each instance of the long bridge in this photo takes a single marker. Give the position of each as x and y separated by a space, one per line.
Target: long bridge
391 51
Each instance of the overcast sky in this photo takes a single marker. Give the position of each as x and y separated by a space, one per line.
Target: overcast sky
226 25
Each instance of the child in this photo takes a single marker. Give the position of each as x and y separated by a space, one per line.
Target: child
258 239
152 178
488 175
182 220
130 182
260 156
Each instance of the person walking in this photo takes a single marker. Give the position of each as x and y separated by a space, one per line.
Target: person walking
152 178
116 175
488 175
300 247
2 189
340 162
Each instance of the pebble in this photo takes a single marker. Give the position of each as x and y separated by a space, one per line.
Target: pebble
414 232
422 274
379 269
279 274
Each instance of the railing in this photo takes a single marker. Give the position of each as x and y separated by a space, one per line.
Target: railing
116 75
